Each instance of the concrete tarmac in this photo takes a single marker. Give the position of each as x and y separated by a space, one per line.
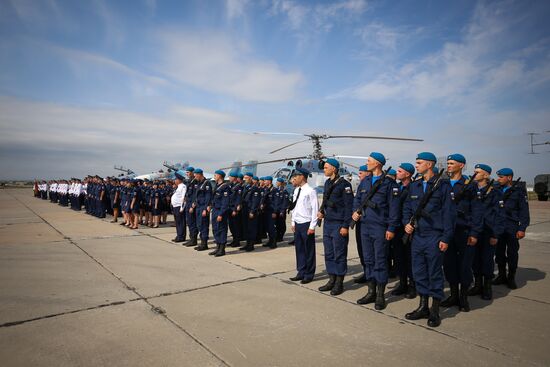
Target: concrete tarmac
80 291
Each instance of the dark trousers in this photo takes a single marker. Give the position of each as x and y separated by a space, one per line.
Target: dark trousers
235 226
507 251
269 225
280 225
459 258
336 248
305 251
219 228
402 255
252 228
375 253
484 259
358 241
191 220
427 265
203 223
180 225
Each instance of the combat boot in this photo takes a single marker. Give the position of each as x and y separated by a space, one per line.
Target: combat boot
501 277
452 300
477 288
338 286
511 281
370 297
411 292
215 250
221 251
487 293
192 241
360 279
401 288
434 320
203 246
329 285
380 302
422 312
464 305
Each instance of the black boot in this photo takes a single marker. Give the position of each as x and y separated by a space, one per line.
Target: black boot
463 303
221 251
249 246
329 285
338 286
477 288
401 288
380 302
422 312
370 297
434 320
192 241
501 277
360 279
411 292
511 281
215 250
203 246
452 300
235 243
271 244
487 293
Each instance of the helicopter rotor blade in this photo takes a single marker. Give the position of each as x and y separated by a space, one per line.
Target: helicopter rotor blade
371 137
351 165
289 145
267 162
276 133
349 156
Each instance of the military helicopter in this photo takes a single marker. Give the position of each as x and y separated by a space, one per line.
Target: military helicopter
315 161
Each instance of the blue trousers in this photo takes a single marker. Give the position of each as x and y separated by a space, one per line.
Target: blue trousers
203 223
180 226
402 255
235 226
427 265
459 258
484 260
219 228
305 251
251 227
336 248
280 225
269 225
375 253
507 251
191 222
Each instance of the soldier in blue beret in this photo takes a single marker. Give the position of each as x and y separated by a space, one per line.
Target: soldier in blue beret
516 207
282 201
269 208
235 209
432 234
379 221
459 257
252 199
406 285
220 212
201 207
336 213
360 279
488 223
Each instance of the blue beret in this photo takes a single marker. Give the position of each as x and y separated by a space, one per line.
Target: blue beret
301 171
189 169
484 167
407 167
255 178
427 156
379 157
220 172
262 178
249 174
240 175
363 168
179 174
268 178
281 180
392 172
198 171
505 172
233 174
333 162
456 157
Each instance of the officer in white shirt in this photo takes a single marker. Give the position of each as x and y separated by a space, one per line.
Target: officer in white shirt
304 206
177 202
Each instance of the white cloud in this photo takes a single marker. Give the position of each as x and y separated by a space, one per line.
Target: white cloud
217 63
235 8
477 68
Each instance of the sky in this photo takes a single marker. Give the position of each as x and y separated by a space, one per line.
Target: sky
85 85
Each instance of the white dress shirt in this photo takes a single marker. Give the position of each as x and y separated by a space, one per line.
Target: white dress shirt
306 207
178 195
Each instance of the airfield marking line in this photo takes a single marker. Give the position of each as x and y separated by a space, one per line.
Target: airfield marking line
132 289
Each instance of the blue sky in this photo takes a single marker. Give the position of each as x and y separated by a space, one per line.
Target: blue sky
85 85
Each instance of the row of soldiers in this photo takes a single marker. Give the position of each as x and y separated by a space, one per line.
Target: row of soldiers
252 208
442 225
